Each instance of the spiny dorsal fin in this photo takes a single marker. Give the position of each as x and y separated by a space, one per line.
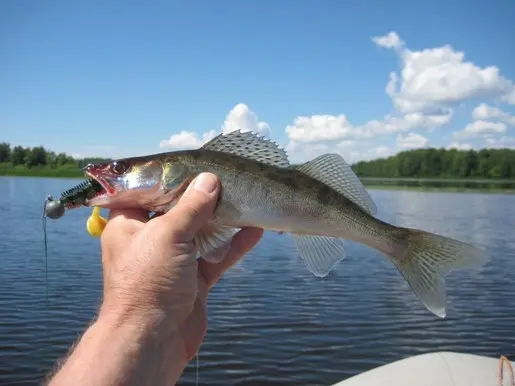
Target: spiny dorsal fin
249 145
331 169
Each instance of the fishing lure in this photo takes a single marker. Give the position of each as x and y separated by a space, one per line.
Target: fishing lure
73 198
96 223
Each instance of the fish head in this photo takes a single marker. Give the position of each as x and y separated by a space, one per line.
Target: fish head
126 183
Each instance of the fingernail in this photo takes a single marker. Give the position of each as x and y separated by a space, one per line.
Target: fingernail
205 182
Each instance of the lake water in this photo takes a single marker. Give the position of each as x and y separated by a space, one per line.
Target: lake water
271 321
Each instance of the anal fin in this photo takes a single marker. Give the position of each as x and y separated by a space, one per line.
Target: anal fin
320 253
213 241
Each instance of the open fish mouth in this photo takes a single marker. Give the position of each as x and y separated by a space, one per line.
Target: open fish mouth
101 191
105 189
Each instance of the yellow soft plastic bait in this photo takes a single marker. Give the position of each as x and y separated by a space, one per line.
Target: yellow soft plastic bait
96 223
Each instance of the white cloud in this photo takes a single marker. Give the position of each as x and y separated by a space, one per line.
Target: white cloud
504 141
428 121
346 144
319 128
371 153
351 150
439 78
244 119
240 117
186 140
509 97
484 111
301 151
459 146
429 85
367 153
481 127
387 125
316 128
391 40
426 90
411 141
489 122
416 120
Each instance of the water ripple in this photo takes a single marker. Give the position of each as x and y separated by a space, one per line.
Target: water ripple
270 321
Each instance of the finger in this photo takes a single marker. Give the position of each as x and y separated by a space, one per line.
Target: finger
129 214
124 221
243 242
193 209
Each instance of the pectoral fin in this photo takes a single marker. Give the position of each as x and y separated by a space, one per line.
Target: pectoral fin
213 241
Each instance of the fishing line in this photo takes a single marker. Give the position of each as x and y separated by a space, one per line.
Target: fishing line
197 367
46 247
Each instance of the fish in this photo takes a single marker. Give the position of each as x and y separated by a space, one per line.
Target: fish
320 203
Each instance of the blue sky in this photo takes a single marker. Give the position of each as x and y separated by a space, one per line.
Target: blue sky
128 78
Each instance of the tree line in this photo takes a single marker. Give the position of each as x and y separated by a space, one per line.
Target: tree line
418 163
38 157
442 163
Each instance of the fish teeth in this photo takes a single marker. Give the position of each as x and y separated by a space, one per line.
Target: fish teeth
77 187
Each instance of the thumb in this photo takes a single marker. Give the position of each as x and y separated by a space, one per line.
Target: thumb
194 208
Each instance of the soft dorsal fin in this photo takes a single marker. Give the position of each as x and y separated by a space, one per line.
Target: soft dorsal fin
249 145
332 170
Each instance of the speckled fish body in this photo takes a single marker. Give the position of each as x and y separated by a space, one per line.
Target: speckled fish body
320 203
270 197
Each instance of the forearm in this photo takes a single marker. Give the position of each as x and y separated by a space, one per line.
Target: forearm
117 350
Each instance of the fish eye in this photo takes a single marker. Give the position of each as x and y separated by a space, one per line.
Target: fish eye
119 167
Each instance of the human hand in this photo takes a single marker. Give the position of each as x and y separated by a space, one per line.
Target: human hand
150 267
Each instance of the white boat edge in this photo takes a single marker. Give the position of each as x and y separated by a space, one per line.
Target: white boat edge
442 368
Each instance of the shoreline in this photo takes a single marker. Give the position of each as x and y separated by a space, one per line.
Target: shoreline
377 183
448 180
442 189
55 173
42 173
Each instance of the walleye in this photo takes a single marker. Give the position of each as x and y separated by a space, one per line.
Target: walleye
320 203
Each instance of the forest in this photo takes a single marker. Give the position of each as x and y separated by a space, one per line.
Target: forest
419 163
38 161
442 163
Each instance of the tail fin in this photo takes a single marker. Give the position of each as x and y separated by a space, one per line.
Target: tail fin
427 259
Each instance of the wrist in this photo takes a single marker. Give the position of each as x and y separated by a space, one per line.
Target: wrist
145 305
148 334
125 317
125 349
